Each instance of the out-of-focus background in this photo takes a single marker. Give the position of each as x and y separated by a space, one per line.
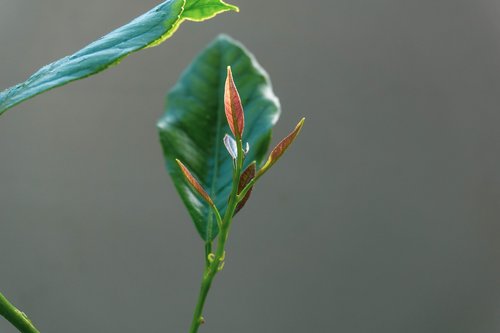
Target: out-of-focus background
383 217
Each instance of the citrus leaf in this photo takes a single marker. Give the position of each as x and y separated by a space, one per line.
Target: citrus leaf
194 124
148 30
280 148
199 10
194 183
233 107
245 178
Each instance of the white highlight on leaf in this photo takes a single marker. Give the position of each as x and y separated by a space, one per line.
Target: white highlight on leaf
231 146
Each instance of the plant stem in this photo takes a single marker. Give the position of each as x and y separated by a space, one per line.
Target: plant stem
208 250
218 262
16 317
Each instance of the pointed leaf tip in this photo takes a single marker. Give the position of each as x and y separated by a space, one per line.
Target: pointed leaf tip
194 183
200 10
233 107
245 178
281 147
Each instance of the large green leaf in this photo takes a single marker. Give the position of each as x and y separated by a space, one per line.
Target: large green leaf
194 125
148 30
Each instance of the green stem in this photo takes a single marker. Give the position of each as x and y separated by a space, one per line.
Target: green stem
208 250
216 265
16 317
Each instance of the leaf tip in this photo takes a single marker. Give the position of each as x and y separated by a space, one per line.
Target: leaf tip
180 164
299 126
229 78
230 7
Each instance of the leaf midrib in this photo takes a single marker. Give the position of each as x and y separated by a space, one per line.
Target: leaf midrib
217 146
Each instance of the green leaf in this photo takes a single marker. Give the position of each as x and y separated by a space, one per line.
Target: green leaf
148 30
194 125
199 10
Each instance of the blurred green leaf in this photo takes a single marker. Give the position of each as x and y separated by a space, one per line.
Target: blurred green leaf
148 30
194 125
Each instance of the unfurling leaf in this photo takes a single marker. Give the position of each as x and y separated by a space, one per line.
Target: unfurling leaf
148 30
245 178
193 126
280 148
233 107
194 183
231 146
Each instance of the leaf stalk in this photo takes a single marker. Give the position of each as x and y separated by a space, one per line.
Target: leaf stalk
217 264
16 317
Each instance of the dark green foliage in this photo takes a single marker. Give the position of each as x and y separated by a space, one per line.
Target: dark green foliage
194 125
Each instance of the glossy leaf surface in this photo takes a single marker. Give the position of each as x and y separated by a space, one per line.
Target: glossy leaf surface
194 125
149 29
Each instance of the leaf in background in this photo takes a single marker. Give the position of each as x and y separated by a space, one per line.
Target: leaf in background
194 183
245 178
233 107
148 30
280 148
193 126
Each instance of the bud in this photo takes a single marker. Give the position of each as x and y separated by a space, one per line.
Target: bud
233 107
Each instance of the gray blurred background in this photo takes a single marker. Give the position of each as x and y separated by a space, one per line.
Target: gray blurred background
383 217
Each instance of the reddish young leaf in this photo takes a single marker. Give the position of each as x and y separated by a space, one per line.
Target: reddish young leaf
233 107
245 178
194 183
281 147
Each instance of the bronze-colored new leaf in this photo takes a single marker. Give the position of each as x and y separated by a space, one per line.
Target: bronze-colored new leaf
233 107
194 183
245 178
280 148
